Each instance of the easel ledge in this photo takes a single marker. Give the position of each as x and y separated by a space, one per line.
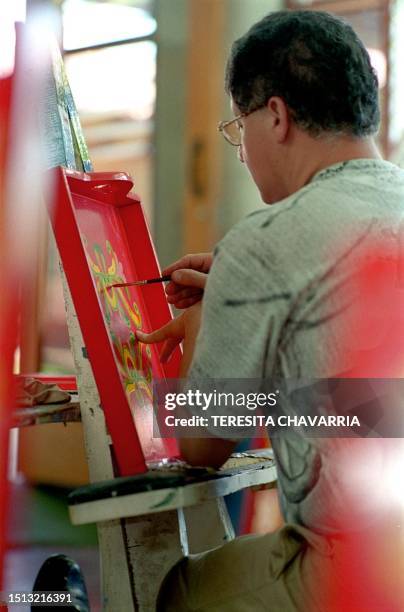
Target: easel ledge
170 489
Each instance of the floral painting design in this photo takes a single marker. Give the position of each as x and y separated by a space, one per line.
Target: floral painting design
123 317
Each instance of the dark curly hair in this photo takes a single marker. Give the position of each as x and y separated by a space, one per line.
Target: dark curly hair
316 63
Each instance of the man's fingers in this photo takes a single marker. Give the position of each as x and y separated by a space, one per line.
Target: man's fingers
184 262
195 261
190 278
171 288
157 336
186 303
174 290
168 348
184 293
170 330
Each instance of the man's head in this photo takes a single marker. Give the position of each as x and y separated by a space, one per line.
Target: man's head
313 61
301 79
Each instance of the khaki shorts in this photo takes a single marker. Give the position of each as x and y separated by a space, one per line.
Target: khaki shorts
249 574
290 570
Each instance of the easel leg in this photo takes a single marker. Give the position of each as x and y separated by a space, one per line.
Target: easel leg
208 525
116 581
153 547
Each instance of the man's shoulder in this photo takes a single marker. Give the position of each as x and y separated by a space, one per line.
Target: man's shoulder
359 194
261 227
350 190
263 217
360 180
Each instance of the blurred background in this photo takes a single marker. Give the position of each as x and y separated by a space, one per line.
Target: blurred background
147 79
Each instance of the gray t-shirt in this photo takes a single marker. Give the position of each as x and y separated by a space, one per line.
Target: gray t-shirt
275 306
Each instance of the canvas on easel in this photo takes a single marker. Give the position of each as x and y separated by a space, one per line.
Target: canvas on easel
103 239
62 135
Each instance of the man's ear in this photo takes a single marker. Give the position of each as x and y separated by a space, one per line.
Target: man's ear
280 117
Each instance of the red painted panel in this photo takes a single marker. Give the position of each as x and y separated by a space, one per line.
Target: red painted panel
67 383
7 321
103 238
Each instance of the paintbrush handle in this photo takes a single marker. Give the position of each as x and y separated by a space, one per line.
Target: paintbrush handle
160 279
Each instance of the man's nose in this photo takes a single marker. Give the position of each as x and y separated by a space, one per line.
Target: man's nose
240 153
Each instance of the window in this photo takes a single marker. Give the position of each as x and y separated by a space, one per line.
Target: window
110 59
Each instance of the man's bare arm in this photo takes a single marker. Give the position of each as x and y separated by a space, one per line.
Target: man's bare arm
211 452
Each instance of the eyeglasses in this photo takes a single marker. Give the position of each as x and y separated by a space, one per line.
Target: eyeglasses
231 130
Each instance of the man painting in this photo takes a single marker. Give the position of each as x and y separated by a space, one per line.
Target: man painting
278 303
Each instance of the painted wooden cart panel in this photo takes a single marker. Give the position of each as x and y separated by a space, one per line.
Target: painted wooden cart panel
103 239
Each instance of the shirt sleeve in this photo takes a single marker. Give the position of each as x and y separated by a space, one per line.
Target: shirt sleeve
245 305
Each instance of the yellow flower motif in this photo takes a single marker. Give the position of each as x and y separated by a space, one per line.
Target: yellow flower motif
134 358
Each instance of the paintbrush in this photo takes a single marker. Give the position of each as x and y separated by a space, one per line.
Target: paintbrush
148 281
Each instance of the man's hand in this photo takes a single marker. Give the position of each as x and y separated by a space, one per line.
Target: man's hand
188 279
211 452
183 328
